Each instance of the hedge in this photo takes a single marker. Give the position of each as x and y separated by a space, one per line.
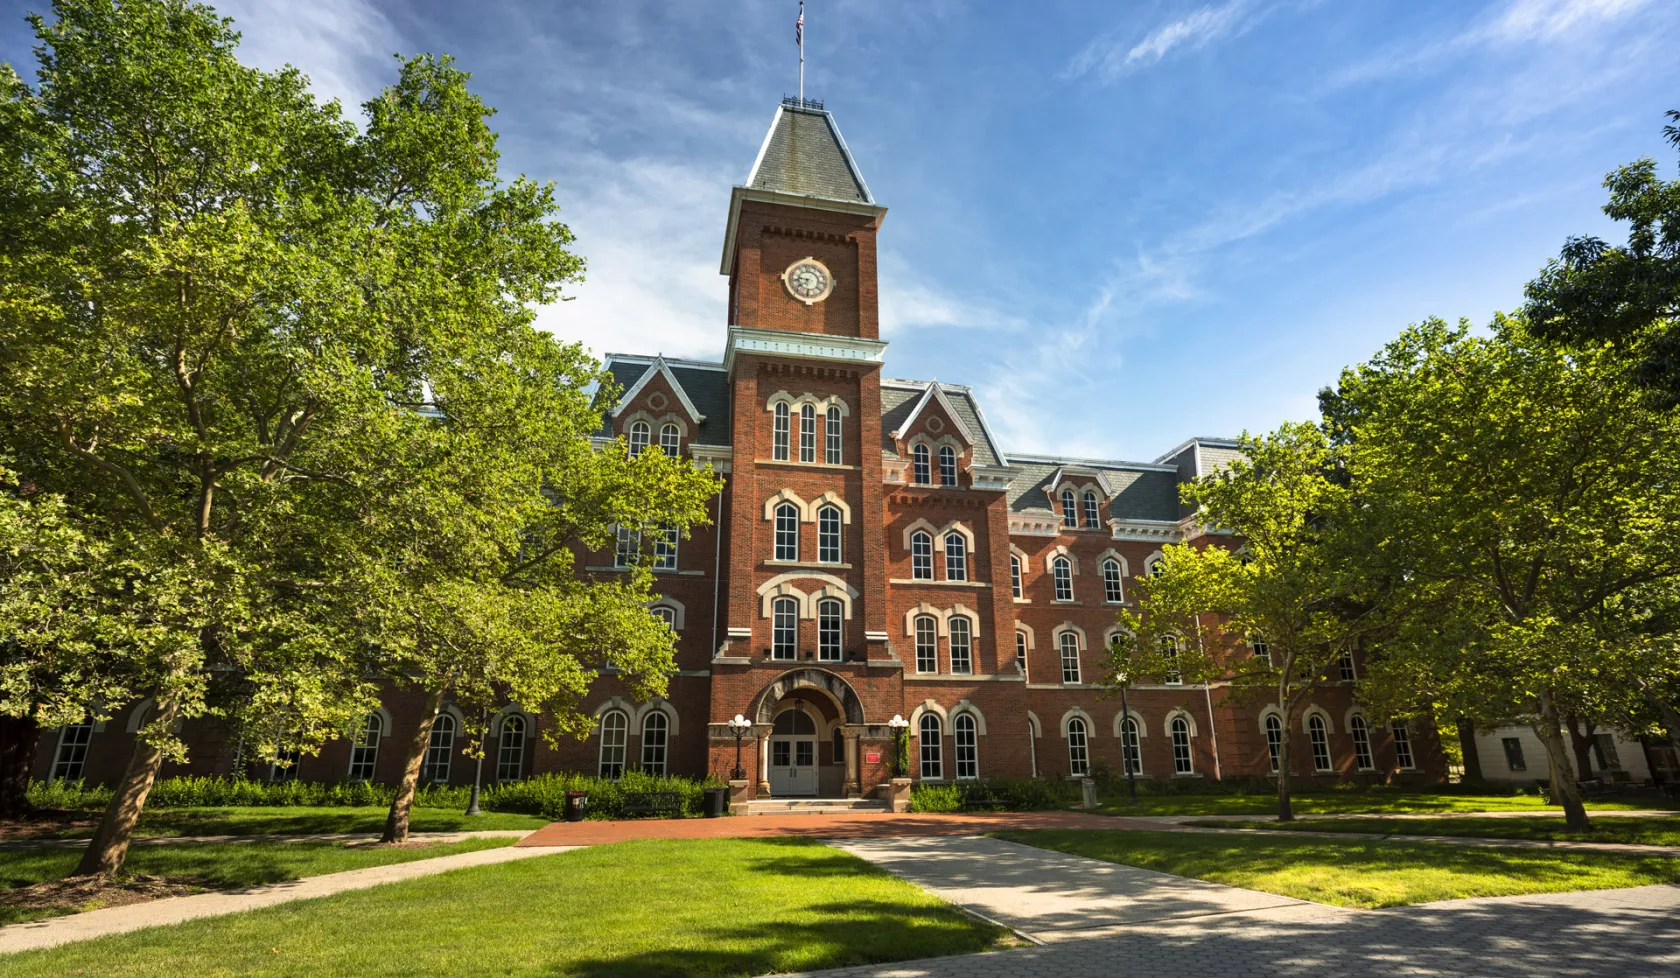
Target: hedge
1022 795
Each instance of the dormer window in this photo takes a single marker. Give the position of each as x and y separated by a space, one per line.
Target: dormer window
947 466
1091 521
640 432
670 438
920 471
1070 513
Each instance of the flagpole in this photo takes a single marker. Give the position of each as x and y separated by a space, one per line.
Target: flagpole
801 51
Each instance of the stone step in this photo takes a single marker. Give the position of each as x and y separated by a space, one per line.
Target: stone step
813 806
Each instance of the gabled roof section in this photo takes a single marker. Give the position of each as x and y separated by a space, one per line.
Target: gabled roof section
932 395
805 155
660 369
901 398
1136 490
702 382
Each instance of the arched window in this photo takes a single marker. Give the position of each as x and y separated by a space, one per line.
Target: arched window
666 614
1091 520
968 747
1131 751
831 452
829 629
927 644
920 472
510 749
440 751
1112 591
1262 651
1155 566
670 440
807 433
787 532
615 727
947 466
1320 740
1403 746
956 557
1274 740
1015 574
933 761
1021 650
364 751
828 535
962 646
654 729
1070 513
1062 570
779 434
1169 654
1361 742
627 548
71 755
1182 763
921 556
1079 756
1070 657
639 434
784 627
665 547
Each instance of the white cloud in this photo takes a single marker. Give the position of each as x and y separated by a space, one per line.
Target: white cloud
1108 58
344 46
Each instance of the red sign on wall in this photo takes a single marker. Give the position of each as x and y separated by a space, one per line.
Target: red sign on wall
872 757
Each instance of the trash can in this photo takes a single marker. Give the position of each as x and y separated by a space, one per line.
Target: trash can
575 800
717 802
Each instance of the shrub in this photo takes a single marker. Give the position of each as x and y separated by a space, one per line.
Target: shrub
935 798
1024 795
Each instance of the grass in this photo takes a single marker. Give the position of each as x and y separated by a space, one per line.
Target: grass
303 821
1359 801
705 908
1361 874
1639 830
217 865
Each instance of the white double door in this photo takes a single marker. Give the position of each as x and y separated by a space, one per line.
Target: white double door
793 765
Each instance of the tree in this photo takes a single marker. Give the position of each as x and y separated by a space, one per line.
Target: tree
1628 295
1519 503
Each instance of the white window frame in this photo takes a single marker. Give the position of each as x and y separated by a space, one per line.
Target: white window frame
1070 510
961 638
828 535
921 472
1360 730
1131 746
1079 749
1093 519
779 433
1184 758
670 440
830 630
1021 648
965 732
665 547
956 557
1403 754
640 434
784 628
1061 570
1344 668
510 749
1258 647
928 736
947 466
364 750
787 533
1015 575
615 737
1114 591
1170 650
656 737
1068 643
807 434
70 756
927 644
1318 737
832 444
440 750
1274 740
921 556
627 548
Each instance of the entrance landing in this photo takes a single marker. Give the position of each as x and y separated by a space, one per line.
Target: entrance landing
852 825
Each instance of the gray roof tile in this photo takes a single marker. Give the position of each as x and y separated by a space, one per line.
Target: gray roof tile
804 154
707 388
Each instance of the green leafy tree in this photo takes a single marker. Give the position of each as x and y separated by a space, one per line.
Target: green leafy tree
1519 503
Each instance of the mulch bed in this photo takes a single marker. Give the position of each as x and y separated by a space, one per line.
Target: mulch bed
78 893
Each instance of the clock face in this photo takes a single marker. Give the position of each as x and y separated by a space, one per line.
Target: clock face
808 280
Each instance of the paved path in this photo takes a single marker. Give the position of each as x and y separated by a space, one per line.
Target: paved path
1629 848
848 826
174 910
1544 813
353 838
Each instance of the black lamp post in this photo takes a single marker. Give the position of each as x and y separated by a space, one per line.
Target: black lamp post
899 725
740 725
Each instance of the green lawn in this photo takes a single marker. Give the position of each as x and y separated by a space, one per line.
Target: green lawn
217 865
704 908
1350 873
304 821
1641 830
1360 801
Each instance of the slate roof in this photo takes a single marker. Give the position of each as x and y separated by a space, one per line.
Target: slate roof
805 154
705 384
1141 492
1198 457
899 397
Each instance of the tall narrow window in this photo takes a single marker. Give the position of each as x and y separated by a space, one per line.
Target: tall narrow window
364 751
956 557
787 532
1344 667
784 627
1320 740
968 747
1021 651
1015 575
510 749
1361 732
628 547
831 443
828 535
440 751
1113 593
1169 655
920 472
807 433
921 556
1514 754
962 646
665 547
1182 763
1274 740
1262 651
71 756
1062 570
1070 657
1403 746
655 727
1070 513
927 644
670 439
639 434
1079 757
779 434
666 614
615 729
829 629
1091 520
285 764
1131 751
947 466
933 761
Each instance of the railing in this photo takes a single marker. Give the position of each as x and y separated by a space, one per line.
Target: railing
795 102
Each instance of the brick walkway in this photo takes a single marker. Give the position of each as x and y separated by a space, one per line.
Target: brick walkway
858 825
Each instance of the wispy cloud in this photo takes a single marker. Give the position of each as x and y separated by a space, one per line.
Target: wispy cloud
344 46
1110 57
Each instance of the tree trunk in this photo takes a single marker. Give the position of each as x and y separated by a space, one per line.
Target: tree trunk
396 823
1467 748
1582 744
1286 811
108 850
1564 790
19 737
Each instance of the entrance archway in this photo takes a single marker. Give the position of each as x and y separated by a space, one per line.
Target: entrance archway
811 719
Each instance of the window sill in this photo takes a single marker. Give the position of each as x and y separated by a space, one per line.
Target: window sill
1191 774
1069 602
917 582
807 465
807 564
1023 600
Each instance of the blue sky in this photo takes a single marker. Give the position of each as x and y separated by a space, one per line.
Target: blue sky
1124 224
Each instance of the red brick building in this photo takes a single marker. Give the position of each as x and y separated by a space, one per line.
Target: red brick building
874 554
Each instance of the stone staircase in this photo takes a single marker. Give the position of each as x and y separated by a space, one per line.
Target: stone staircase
813 806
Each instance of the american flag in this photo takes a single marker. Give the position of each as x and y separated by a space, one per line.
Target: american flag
799 27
